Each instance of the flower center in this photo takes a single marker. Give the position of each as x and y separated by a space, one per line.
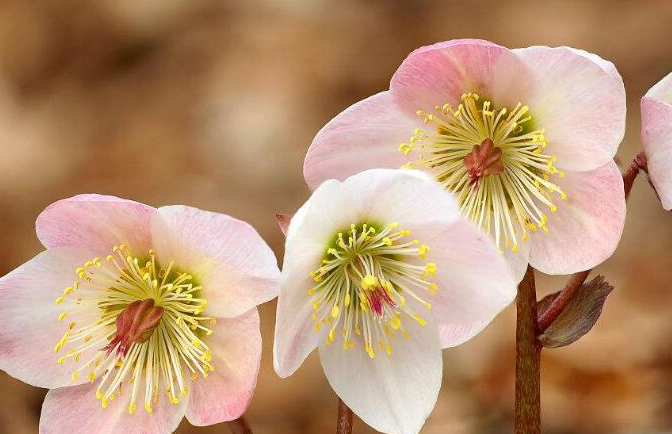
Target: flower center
493 161
145 322
363 285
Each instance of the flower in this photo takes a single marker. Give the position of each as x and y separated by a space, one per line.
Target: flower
524 138
657 137
136 316
380 272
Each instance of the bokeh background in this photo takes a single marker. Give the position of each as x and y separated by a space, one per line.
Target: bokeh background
213 103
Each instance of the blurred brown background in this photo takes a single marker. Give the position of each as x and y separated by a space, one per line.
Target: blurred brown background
213 103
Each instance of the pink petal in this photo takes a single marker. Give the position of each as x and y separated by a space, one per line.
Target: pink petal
440 73
96 223
475 282
234 264
657 137
587 226
365 135
29 325
580 103
236 352
392 394
312 227
75 410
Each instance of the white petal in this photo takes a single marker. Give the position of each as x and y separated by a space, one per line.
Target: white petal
392 394
328 210
408 197
475 282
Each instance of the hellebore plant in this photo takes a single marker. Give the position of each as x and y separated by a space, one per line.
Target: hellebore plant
381 272
524 139
136 316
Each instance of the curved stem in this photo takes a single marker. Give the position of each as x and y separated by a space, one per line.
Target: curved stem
637 164
528 357
344 421
558 305
239 426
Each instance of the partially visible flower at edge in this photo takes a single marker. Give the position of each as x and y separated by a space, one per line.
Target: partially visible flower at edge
380 273
656 137
136 317
524 138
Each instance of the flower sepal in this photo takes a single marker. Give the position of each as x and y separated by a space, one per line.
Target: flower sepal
579 315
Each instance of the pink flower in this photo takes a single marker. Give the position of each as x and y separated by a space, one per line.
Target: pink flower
381 271
524 138
136 308
657 137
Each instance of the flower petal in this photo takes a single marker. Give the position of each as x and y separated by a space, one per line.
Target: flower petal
75 410
234 264
440 73
327 211
657 137
475 282
96 223
409 197
392 394
579 102
587 226
29 325
365 135
236 353
519 260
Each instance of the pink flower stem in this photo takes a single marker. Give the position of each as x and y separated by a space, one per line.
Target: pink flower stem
239 426
528 357
344 421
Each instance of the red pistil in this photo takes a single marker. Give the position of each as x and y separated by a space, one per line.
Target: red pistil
377 299
135 324
483 160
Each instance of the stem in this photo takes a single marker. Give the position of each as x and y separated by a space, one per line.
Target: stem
344 421
239 426
558 305
637 164
528 355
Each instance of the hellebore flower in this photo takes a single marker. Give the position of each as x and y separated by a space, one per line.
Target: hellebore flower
524 138
657 137
138 310
381 271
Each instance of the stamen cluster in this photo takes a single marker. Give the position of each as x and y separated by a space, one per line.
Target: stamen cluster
493 160
364 282
145 324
